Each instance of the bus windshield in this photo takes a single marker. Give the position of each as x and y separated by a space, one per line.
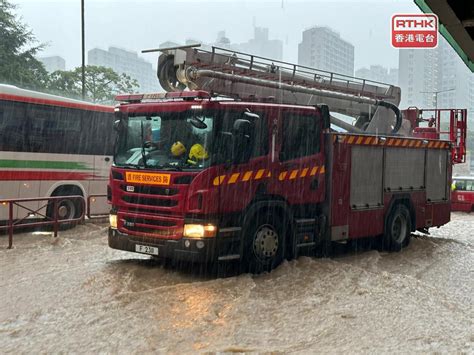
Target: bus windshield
169 140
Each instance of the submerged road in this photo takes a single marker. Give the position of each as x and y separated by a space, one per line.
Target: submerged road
74 294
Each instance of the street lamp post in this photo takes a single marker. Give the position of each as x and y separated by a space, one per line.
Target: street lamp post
436 94
83 52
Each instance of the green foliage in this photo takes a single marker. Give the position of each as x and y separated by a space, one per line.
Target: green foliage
101 83
18 64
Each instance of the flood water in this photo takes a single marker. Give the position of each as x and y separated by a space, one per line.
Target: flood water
74 294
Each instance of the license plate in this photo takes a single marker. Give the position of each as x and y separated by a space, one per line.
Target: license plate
145 249
147 178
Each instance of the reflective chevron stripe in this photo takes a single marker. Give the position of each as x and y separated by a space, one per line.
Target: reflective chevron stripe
390 142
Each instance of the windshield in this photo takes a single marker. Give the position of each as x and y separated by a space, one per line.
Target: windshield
170 140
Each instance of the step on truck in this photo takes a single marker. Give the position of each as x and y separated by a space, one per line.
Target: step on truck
253 160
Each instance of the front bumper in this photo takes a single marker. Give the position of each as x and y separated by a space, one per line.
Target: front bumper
167 249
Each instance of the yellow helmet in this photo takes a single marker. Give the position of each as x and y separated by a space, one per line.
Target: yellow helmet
198 152
178 149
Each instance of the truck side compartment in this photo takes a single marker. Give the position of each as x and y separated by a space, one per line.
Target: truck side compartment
369 172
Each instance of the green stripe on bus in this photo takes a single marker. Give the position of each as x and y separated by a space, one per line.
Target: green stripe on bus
43 164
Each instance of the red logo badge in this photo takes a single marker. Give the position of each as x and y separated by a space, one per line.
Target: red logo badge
415 31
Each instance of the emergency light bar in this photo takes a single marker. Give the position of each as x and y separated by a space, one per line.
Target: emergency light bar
185 95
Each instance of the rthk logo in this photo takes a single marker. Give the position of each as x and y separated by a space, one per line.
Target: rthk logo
415 31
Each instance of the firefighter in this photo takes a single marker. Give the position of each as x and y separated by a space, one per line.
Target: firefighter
178 150
197 154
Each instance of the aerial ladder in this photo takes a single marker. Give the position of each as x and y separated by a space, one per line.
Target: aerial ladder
223 72
372 106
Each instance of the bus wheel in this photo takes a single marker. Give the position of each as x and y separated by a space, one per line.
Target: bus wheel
264 242
67 208
397 229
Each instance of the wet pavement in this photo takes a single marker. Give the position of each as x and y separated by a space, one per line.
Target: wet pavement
74 294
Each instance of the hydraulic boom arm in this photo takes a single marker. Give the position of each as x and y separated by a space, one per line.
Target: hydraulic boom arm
247 77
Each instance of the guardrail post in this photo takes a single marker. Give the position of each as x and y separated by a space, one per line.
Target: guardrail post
88 207
55 225
10 225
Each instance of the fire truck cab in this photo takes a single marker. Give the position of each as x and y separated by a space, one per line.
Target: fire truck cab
256 177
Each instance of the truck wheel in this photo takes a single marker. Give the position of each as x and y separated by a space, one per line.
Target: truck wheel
397 228
264 242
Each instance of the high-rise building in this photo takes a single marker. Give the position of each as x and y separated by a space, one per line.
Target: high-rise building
262 46
392 77
53 63
324 49
435 78
222 40
418 76
455 81
127 62
379 73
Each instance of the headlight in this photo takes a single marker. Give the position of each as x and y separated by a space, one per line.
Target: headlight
199 231
113 221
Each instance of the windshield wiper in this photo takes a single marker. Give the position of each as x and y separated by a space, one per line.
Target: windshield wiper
143 146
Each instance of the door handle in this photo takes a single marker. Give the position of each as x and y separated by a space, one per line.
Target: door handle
107 159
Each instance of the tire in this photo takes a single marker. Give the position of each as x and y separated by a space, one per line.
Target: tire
264 239
67 209
397 229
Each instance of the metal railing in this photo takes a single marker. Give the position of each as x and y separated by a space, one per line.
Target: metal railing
450 124
295 73
48 219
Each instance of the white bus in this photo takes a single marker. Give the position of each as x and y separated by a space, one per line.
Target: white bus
53 146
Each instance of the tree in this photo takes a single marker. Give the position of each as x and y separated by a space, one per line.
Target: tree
102 84
18 64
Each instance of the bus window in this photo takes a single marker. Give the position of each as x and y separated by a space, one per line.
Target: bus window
53 130
13 126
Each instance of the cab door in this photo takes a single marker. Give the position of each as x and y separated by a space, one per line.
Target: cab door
244 178
301 169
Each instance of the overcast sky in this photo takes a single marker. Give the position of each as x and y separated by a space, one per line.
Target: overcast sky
136 25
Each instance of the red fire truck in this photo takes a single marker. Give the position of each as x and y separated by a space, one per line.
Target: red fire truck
252 163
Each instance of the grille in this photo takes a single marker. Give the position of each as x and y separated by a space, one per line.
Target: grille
151 190
183 180
152 222
137 200
152 227
157 232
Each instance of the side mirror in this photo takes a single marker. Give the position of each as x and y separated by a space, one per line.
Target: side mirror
119 118
242 140
199 124
118 125
325 115
251 116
